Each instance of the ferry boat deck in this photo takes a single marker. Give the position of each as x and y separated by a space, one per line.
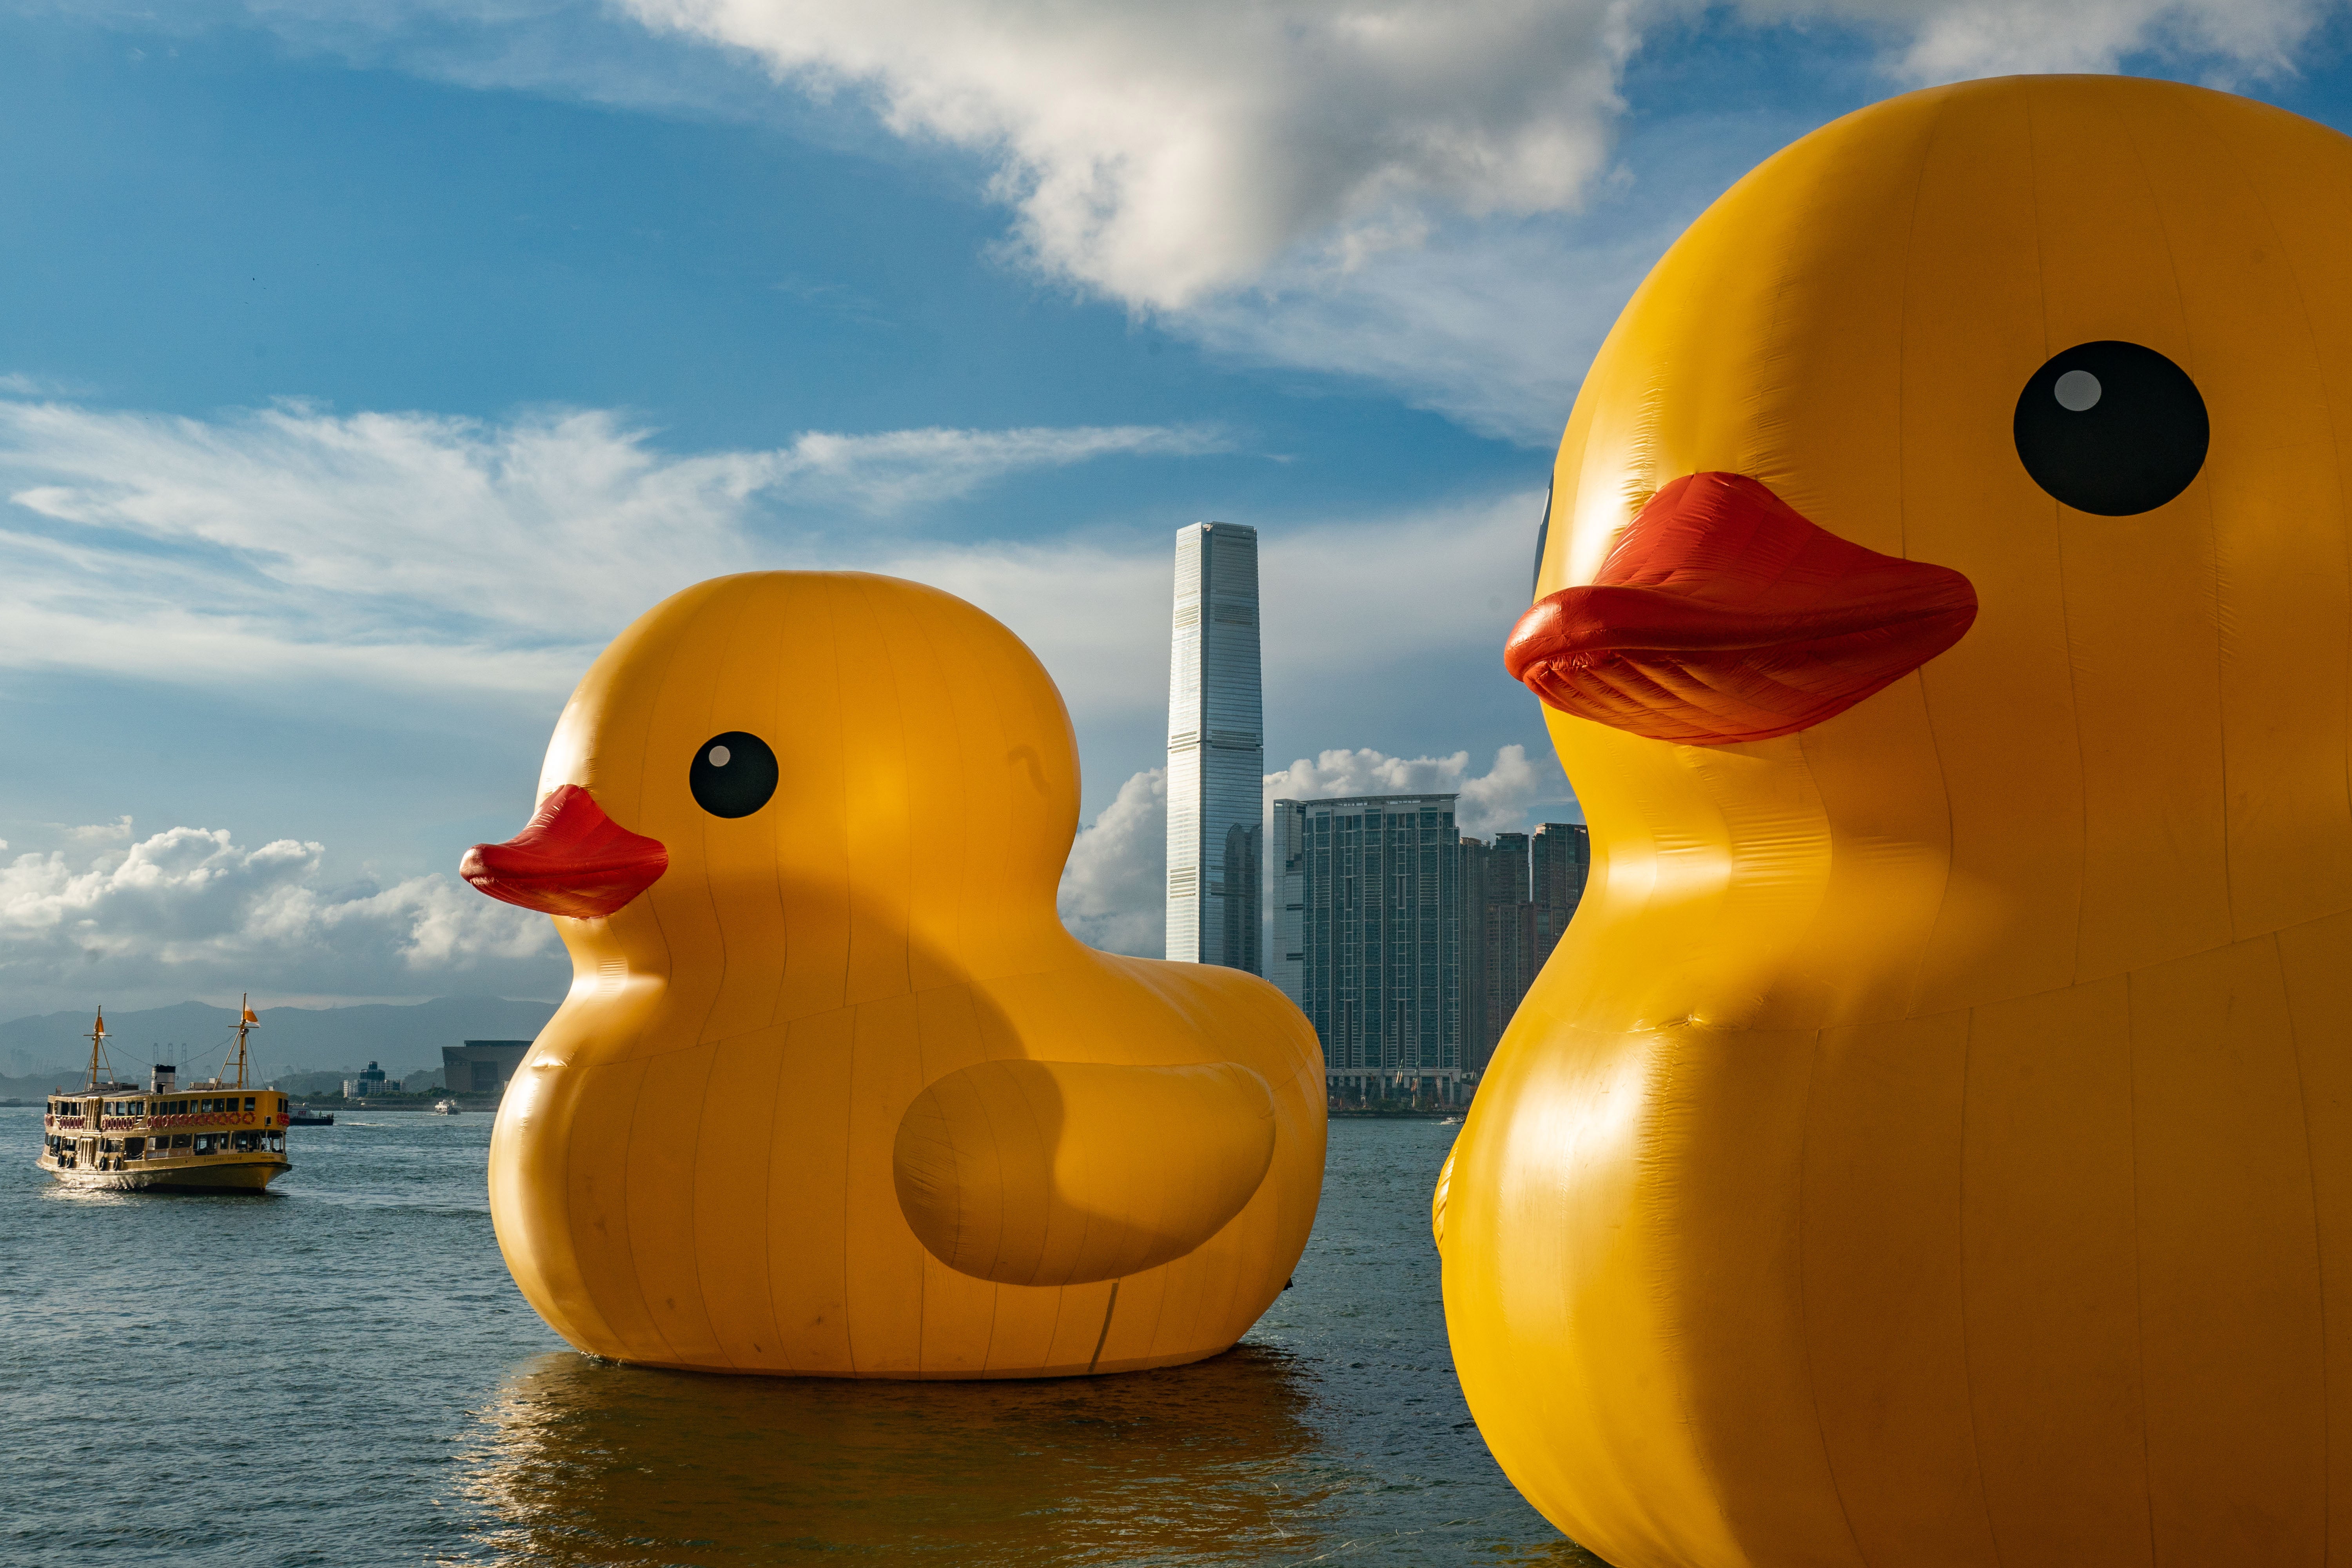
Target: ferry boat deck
216 1134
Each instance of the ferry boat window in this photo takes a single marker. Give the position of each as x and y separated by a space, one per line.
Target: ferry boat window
249 1102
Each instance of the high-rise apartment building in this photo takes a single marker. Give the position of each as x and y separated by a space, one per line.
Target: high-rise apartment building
1372 937
1216 752
1476 1044
1561 855
1518 896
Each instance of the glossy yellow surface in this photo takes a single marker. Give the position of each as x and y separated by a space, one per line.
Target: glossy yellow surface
861 991
1932 1141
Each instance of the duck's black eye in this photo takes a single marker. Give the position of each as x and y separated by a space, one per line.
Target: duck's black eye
2112 429
734 775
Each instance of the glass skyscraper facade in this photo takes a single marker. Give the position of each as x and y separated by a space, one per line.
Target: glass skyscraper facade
1369 934
1216 753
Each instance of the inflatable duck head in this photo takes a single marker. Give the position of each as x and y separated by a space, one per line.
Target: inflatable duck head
833 1091
1933 1109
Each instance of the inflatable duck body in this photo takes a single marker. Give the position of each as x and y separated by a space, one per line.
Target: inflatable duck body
833 1093
1931 1142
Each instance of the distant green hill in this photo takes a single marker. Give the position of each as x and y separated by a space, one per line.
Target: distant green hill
35 1052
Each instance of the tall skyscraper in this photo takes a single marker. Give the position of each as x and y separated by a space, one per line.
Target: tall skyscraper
1216 752
1376 885
1562 859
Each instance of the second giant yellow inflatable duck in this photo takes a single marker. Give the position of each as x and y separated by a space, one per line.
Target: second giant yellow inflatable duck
833 1093
1931 1144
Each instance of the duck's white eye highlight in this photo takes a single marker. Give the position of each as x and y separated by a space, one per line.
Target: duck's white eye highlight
2078 390
721 755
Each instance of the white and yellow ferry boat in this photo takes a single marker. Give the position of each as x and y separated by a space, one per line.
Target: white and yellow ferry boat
215 1134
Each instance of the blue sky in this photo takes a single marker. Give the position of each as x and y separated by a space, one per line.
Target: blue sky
367 365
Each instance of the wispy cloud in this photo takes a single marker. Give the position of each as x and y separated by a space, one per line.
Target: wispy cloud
1952 40
1384 193
421 554
1161 152
419 549
1405 195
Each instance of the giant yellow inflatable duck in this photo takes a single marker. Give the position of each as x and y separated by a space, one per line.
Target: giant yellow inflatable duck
833 1093
1932 1142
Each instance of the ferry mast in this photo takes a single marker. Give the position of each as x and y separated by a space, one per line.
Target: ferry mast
245 1021
97 1038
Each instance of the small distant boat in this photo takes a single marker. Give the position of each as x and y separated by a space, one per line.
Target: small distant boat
213 1136
445 1108
306 1117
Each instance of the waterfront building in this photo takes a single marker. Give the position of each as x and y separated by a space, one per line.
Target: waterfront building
1499 943
1216 753
1561 856
481 1066
1519 894
369 1082
1476 1040
1372 897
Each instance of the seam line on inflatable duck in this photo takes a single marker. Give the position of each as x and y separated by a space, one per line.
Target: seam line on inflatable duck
833 1093
1931 1142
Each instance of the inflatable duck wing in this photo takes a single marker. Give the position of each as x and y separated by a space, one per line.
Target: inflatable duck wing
833 1092
1932 1141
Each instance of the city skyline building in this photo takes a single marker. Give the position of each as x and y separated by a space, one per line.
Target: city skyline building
1560 856
1519 895
1370 938
1216 752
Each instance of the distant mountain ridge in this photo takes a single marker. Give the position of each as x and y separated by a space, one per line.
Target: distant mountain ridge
191 1035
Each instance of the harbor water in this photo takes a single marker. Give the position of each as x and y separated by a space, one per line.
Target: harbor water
340 1371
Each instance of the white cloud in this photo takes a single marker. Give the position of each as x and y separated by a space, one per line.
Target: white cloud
1397 192
419 550
427 554
1115 887
1490 324
1366 614
1159 152
188 911
1496 801
1346 188
1953 40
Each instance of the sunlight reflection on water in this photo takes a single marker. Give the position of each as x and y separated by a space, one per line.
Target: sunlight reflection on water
393 1401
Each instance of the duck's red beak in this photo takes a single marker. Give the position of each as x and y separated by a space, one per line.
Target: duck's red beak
1724 615
568 860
